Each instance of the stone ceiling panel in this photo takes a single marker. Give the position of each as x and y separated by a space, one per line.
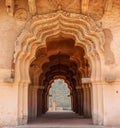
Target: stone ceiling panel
25 9
48 6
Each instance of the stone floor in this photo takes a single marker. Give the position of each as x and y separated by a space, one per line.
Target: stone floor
66 119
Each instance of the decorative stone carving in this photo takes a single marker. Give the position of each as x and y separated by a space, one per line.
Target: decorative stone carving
84 6
59 23
109 56
108 6
96 9
48 6
63 3
10 7
21 14
32 6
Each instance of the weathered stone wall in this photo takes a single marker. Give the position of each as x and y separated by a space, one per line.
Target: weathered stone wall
8 104
111 103
10 28
111 91
8 33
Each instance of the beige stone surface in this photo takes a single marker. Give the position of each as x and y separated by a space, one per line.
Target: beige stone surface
43 40
8 104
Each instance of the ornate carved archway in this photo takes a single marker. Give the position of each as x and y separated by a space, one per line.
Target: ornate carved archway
40 28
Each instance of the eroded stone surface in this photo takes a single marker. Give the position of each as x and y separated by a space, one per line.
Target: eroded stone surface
43 40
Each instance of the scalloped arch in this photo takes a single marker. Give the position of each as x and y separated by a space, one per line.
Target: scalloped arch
81 28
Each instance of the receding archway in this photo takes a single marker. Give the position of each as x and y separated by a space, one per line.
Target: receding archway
82 55
59 96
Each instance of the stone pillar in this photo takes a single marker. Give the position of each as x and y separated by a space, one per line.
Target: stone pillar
76 101
85 100
34 90
97 103
29 103
32 103
76 104
88 99
46 101
20 104
23 103
100 103
89 92
54 105
72 103
43 102
82 101
39 102
79 99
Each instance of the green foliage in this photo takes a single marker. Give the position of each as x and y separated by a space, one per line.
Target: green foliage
60 94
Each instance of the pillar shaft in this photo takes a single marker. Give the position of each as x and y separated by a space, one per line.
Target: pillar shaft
82 102
97 103
79 100
34 102
39 102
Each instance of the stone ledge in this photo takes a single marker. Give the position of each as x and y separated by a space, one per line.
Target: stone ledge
86 80
8 80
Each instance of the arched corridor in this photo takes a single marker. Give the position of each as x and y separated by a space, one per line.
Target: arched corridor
61 51
62 60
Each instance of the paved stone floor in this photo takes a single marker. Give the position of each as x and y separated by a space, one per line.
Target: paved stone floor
66 119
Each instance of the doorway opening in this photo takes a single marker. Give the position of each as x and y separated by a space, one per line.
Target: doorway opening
59 96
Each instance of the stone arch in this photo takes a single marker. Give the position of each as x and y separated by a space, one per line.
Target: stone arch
81 28
65 83
60 77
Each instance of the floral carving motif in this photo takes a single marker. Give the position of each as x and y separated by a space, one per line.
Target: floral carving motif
62 3
21 14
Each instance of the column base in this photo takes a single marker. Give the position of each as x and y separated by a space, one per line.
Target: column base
23 121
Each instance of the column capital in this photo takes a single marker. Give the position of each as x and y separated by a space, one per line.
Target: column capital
10 7
78 87
86 80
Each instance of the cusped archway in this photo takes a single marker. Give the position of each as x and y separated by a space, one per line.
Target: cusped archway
47 28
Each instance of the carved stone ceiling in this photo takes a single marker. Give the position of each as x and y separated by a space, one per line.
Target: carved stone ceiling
23 9
47 6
